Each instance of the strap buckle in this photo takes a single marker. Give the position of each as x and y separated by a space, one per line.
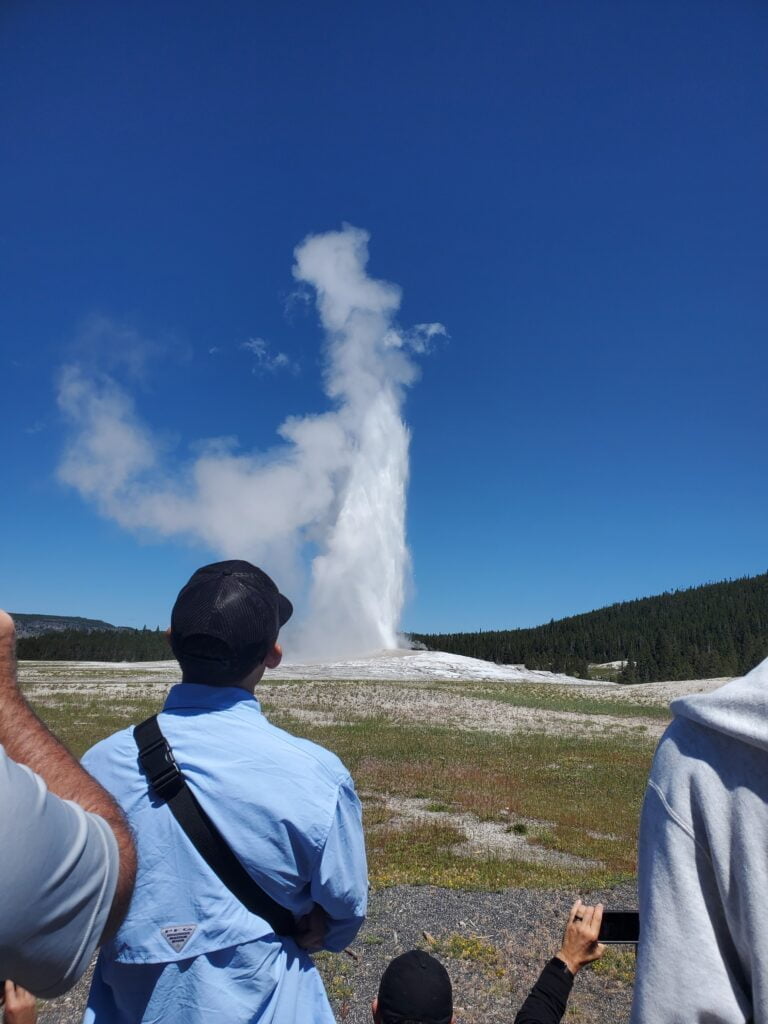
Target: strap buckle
160 766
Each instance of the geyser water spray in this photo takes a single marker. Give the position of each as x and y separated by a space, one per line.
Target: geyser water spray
338 479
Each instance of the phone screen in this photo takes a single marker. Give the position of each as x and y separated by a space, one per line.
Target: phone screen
620 926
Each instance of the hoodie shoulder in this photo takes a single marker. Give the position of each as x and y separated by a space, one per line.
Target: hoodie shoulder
738 709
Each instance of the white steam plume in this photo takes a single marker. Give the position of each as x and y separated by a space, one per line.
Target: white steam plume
338 482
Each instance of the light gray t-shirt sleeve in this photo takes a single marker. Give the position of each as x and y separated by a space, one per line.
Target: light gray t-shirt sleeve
58 873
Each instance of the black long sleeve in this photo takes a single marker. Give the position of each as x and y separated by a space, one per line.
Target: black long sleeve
547 999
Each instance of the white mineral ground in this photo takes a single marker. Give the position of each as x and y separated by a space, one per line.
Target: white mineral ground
422 687
483 838
399 685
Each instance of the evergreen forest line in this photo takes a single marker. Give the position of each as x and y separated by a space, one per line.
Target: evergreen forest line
96 645
717 629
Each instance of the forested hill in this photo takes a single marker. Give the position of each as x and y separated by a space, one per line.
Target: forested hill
36 625
73 638
718 629
113 644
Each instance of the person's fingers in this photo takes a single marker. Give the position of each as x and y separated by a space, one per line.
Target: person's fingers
7 626
572 922
12 995
17 998
580 940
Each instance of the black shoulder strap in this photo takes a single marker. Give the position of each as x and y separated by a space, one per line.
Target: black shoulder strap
158 763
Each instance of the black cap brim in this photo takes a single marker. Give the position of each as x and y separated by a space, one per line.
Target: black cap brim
284 609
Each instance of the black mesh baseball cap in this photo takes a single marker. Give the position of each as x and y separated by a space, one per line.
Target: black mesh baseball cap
415 987
225 621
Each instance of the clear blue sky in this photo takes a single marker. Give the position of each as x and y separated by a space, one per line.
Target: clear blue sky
576 190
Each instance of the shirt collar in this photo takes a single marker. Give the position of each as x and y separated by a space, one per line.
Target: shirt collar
212 698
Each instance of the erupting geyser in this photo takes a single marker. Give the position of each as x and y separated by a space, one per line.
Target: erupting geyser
338 482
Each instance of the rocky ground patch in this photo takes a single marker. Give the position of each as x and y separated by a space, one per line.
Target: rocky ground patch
493 945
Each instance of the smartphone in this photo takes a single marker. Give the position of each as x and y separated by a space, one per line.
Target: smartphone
620 926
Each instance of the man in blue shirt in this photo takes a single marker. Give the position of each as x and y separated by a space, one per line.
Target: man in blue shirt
188 950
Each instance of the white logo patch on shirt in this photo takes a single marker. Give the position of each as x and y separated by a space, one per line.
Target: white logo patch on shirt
178 935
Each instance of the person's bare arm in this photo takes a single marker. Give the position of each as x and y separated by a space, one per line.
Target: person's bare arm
28 741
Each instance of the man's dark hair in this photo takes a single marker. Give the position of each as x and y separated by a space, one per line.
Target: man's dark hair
214 658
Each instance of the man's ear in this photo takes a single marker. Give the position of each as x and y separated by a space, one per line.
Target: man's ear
375 1009
168 635
274 657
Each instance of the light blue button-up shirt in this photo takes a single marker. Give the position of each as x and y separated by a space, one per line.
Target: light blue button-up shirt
289 811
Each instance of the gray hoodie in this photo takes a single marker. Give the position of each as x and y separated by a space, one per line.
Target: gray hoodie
703 862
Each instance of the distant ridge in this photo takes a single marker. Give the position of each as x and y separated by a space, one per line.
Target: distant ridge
36 625
717 629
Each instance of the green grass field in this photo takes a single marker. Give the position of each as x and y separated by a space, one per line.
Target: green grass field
585 793
569 804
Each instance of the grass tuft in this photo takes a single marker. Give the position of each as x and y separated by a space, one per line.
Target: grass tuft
617 964
469 947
